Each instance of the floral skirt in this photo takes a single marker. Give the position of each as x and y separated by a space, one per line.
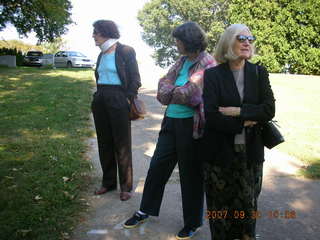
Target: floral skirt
232 195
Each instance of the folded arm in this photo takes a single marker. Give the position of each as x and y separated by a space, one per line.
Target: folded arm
214 118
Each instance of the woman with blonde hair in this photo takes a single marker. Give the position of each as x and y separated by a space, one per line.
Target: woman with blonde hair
237 99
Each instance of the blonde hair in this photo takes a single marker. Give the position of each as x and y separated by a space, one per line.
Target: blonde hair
224 51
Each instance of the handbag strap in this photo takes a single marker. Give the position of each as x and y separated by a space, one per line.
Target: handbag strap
257 72
275 122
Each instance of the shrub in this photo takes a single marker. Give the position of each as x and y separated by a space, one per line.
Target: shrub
14 52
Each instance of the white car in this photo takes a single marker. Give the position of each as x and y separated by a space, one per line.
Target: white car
72 59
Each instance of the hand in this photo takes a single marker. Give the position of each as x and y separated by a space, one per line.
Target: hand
230 111
249 123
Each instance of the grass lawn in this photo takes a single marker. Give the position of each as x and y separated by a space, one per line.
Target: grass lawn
44 118
298 112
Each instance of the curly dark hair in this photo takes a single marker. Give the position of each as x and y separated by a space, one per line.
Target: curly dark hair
106 28
192 36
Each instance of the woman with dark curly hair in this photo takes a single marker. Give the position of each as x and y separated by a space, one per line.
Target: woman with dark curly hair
118 80
181 91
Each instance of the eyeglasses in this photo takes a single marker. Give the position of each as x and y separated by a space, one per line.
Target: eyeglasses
95 32
243 38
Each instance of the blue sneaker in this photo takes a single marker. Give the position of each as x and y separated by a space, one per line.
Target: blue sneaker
135 220
187 232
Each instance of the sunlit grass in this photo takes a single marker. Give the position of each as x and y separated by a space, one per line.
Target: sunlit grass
299 116
44 120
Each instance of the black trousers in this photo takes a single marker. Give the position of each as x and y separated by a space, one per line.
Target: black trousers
175 145
110 110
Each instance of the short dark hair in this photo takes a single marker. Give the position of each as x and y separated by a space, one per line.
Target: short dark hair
192 36
106 28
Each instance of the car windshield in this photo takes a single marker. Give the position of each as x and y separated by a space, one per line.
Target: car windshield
34 54
76 54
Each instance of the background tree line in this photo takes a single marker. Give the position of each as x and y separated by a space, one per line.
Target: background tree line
19 48
45 47
287 31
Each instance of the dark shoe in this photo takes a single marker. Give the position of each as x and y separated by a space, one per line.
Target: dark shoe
124 196
135 220
104 190
187 232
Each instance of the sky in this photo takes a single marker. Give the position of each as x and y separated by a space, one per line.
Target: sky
79 37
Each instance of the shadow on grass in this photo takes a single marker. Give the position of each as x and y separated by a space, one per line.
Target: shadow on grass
281 192
312 170
44 117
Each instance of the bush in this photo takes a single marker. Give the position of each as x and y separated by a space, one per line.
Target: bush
14 52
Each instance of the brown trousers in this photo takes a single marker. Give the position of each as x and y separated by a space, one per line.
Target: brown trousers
110 111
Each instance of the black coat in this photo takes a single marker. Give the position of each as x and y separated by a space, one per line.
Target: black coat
127 69
258 104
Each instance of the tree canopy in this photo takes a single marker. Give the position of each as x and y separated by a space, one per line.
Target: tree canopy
287 31
159 17
47 18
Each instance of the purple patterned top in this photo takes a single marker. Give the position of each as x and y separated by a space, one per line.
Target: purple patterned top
189 94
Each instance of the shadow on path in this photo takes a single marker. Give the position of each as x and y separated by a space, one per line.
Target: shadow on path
281 192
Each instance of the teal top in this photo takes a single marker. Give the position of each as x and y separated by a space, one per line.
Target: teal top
107 70
179 110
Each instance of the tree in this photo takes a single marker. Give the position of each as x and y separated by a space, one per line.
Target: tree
47 18
19 45
159 17
288 32
54 46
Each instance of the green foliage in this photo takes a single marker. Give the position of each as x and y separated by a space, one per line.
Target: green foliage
19 45
159 17
47 18
54 46
46 47
287 31
14 52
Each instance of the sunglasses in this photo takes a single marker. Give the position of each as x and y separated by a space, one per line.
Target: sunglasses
243 38
95 32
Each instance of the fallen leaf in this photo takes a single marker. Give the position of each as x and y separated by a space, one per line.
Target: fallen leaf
68 195
66 235
37 197
24 232
65 179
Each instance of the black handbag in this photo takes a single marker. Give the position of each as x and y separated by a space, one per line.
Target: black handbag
271 135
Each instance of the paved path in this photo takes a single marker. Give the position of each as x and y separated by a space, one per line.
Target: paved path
281 192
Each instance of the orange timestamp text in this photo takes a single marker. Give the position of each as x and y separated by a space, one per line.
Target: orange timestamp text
272 214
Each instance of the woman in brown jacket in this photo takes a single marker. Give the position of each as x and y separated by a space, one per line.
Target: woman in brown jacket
118 80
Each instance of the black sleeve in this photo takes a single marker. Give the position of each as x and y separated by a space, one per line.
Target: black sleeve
132 72
214 119
264 111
